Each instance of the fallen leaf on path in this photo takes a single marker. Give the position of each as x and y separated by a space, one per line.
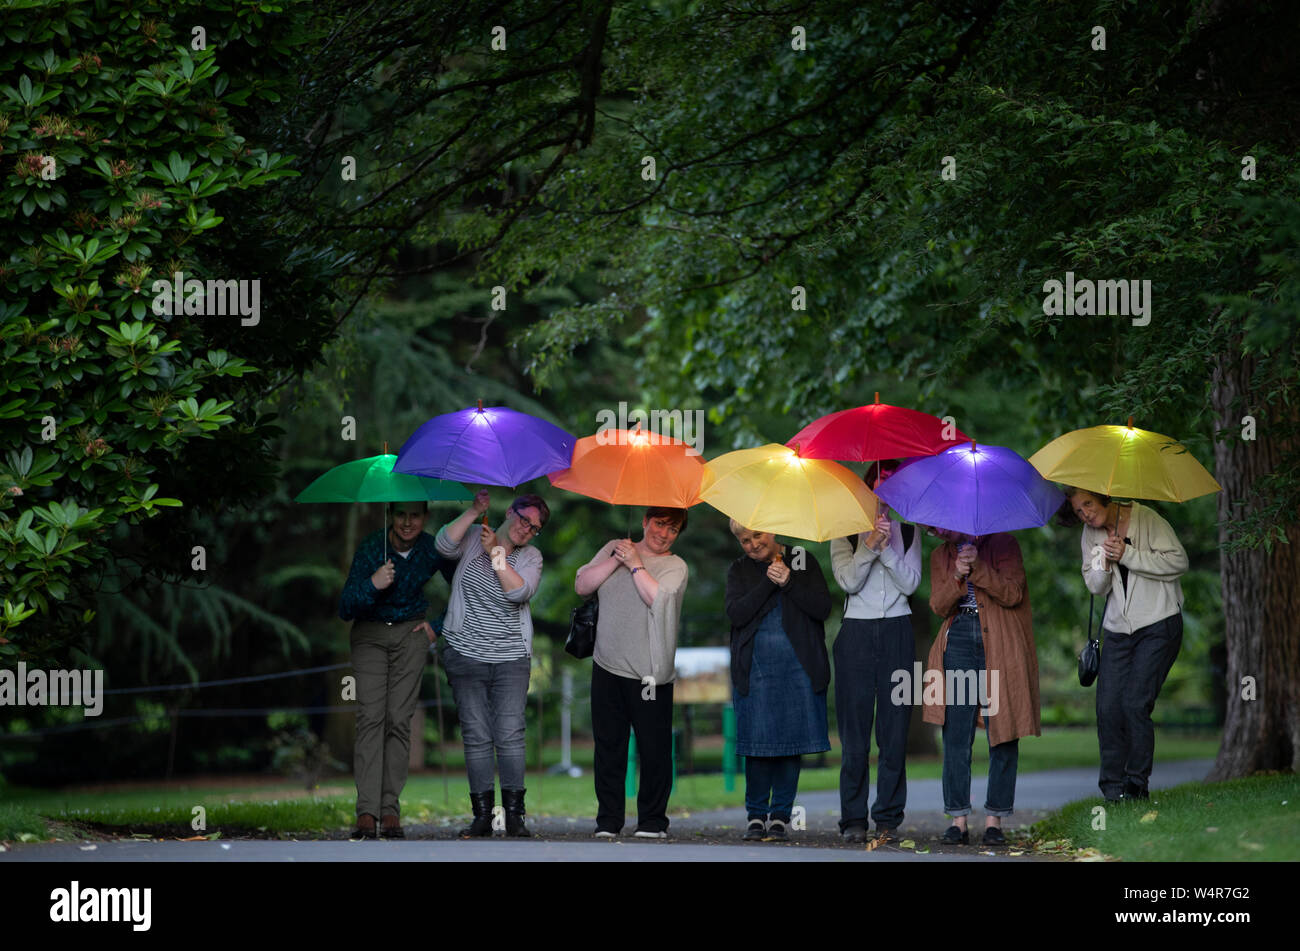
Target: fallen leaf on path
873 845
922 851
1150 816
907 844
87 848
28 837
194 838
1015 853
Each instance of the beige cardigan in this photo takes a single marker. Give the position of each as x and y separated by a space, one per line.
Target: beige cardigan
1155 561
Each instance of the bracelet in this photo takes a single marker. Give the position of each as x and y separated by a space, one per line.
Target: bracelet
638 568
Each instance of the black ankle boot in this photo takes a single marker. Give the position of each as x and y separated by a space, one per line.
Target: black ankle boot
482 824
513 801
1133 791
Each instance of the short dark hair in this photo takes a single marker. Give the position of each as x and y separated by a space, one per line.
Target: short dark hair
873 470
678 516
532 502
392 504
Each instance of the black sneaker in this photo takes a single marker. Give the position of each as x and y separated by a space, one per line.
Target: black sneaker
993 836
955 836
776 831
755 831
855 834
1134 791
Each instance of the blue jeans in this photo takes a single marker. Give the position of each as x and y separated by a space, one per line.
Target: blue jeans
490 702
776 777
964 653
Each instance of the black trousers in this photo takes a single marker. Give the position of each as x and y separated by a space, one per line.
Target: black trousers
617 707
1133 669
867 652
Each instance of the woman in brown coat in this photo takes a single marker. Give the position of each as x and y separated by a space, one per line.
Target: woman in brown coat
983 661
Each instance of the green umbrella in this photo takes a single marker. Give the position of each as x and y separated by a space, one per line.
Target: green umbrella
373 480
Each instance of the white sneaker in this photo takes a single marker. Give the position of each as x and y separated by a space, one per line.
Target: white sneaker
606 834
647 834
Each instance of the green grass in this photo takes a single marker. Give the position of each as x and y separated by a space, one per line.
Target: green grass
1252 819
287 808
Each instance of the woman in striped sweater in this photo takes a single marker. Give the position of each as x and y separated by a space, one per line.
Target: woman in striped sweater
487 646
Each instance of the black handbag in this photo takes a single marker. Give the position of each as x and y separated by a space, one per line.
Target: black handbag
581 641
1090 656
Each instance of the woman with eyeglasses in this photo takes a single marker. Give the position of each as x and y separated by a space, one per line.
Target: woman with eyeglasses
487 646
640 586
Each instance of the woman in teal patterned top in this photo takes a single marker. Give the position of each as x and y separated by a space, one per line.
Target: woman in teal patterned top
384 599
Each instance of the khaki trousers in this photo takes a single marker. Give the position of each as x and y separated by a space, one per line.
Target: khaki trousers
388 661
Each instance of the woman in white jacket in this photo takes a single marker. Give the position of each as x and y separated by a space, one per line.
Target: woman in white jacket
878 573
1131 555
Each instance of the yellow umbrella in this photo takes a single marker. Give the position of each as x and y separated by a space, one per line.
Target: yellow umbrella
1125 462
773 489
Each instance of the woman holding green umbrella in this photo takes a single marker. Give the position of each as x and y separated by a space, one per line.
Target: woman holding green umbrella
383 598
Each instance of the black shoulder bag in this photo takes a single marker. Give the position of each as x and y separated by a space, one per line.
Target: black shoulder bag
1090 656
581 641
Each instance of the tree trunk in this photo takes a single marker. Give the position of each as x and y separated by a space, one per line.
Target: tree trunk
1261 606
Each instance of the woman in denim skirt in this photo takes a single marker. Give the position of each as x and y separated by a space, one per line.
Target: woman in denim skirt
780 672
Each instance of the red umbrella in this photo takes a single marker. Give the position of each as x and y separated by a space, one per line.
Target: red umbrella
875 431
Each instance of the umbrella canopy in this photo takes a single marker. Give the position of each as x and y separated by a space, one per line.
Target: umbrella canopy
875 431
633 468
774 489
1126 462
974 489
373 480
489 446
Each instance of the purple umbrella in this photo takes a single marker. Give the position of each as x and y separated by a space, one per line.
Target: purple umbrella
488 446
974 489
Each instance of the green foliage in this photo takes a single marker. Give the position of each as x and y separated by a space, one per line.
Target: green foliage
120 140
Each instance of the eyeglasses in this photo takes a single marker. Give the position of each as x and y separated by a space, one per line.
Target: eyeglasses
532 526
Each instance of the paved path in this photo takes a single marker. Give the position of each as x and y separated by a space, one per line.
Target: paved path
706 836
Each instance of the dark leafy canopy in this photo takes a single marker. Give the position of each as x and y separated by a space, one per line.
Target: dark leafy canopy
774 167
821 168
124 163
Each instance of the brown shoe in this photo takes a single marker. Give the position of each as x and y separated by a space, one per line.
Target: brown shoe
392 828
365 827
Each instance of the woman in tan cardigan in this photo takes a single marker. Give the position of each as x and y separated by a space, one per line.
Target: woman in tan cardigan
983 661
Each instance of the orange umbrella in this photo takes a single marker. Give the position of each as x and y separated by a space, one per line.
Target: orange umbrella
633 468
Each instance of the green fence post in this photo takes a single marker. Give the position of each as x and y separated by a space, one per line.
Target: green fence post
630 784
728 748
673 788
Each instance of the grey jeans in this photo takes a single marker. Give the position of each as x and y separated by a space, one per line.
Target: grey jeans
388 660
490 702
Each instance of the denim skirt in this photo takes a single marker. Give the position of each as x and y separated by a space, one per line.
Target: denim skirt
781 716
